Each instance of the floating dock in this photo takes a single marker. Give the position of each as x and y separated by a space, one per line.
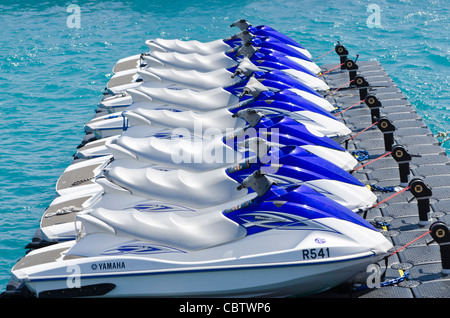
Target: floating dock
410 173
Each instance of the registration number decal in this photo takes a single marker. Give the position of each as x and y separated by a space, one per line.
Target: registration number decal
314 253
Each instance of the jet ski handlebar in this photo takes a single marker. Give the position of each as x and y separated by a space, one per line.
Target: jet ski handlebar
251 116
258 182
241 24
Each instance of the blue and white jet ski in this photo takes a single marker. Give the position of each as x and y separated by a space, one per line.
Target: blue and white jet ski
281 242
279 130
255 50
268 41
286 166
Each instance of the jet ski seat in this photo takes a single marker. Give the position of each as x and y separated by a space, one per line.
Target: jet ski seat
186 232
185 47
198 190
191 61
199 80
189 99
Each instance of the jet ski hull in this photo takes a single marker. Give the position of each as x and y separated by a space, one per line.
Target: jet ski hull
228 271
220 282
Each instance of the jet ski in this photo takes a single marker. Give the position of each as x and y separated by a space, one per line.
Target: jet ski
286 165
222 97
168 250
277 81
116 124
279 130
231 43
121 102
256 50
201 154
260 49
265 58
266 65
169 155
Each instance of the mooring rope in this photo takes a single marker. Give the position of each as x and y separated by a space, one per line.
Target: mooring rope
395 194
350 107
390 282
403 275
324 54
331 69
383 155
332 92
368 127
406 245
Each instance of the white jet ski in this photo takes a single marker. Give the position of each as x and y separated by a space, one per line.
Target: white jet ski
138 141
162 123
283 242
177 60
286 165
216 46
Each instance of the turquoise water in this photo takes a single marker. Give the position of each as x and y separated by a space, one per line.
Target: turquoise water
52 76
